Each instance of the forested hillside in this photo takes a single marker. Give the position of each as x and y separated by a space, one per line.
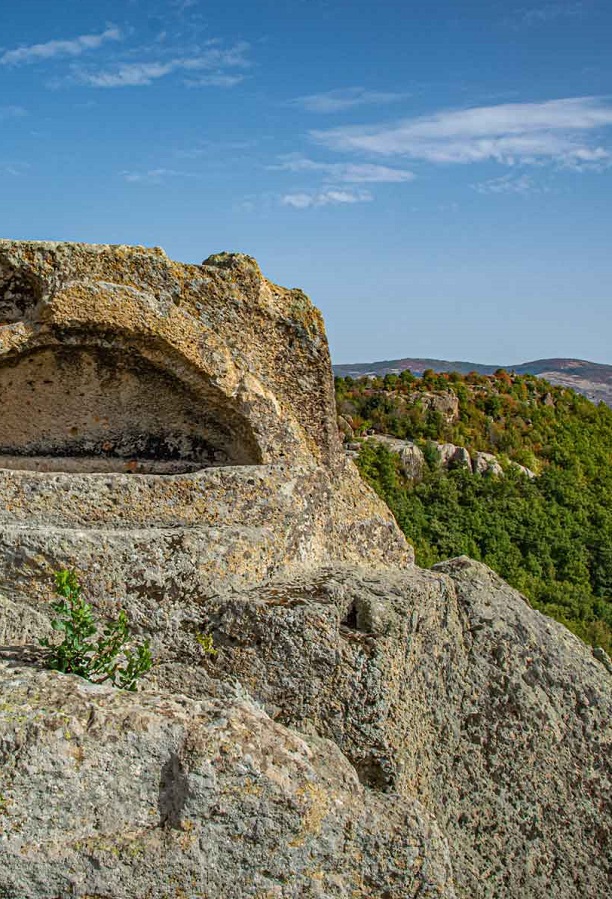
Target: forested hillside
549 536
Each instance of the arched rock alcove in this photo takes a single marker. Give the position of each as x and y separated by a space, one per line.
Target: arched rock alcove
98 409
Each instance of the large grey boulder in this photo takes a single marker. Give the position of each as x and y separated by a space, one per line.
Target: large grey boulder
450 455
114 795
443 688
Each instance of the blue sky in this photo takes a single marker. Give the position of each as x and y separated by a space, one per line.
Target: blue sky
437 176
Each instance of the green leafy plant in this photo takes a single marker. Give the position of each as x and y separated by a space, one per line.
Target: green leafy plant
107 656
206 643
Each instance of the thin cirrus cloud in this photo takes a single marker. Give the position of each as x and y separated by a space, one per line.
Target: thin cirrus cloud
508 184
12 112
139 74
15 169
348 173
308 200
562 131
219 80
340 99
154 176
59 48
548 12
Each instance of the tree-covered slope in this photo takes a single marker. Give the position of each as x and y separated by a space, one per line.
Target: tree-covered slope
591 379
551 537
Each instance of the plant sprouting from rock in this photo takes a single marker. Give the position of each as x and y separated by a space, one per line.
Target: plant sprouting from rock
206 644
107 656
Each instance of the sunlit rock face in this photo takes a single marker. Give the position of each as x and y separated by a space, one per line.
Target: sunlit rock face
366 728
168 423
119 352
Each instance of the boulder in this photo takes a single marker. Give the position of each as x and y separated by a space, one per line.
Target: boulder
412 460
110 794
454 456
345 428
526 471
487 463
435 710
445 402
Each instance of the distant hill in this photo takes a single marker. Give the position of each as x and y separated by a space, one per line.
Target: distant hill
591 379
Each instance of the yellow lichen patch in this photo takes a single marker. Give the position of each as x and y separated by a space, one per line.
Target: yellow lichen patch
317 809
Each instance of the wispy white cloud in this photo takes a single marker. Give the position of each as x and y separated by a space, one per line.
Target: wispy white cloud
14 169
558 131
508 184
346 98
210 148
155 176
306 200
138 74
58 48
12 112
347 172
218 80
548 12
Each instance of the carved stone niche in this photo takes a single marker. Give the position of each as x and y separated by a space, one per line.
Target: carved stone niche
80 408
116 359
168 429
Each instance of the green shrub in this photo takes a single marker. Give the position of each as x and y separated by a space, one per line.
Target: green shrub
109 656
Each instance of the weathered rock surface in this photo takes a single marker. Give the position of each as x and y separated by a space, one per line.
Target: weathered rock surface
110 794
446 686
412 460
367 729
451 455
181 426
446 402
526 471
487 462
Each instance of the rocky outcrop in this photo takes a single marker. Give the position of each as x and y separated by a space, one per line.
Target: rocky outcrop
487 463
366 729
446 402
454 456
345 427
181 428
412 460
110 794
439 695
524 470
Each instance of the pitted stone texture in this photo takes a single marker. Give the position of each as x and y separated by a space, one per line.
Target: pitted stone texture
251 356
441 685
522 778
111 795
188 536
124 377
